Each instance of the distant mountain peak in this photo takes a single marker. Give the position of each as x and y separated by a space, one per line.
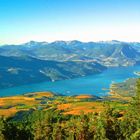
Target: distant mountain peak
111 42
34 43
115 41
108 53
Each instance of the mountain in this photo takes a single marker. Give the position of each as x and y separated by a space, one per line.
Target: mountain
15 71
34 62
107 53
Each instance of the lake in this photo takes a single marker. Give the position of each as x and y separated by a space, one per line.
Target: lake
93 84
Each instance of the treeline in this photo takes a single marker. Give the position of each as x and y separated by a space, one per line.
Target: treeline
53 125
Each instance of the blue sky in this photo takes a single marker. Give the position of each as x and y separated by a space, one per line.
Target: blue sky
85 20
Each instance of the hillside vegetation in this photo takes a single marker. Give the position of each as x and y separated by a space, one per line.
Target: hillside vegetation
28 70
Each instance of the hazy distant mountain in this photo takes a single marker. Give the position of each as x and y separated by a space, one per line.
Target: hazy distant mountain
108 53
26 70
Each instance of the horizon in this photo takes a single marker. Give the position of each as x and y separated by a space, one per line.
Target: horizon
85 20
106 41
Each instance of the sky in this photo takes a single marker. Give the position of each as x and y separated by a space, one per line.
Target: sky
84 20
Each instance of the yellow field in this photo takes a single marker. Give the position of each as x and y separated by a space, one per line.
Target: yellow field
67 104
41 94
117 96
14 101
10 112
79 107
84 97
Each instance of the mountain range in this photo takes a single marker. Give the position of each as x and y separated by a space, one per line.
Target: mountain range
34 62
107 53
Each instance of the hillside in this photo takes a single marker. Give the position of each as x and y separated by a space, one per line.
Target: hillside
44 115
124 89
16 71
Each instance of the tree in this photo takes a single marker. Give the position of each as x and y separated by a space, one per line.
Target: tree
131 121
1 128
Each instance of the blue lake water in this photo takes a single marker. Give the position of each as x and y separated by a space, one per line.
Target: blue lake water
93 84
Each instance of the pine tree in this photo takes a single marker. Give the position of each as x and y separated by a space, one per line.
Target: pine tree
131 121
136 101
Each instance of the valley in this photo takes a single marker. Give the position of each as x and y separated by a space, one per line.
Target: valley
27 70
69 69
67 90
42 66
97 85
